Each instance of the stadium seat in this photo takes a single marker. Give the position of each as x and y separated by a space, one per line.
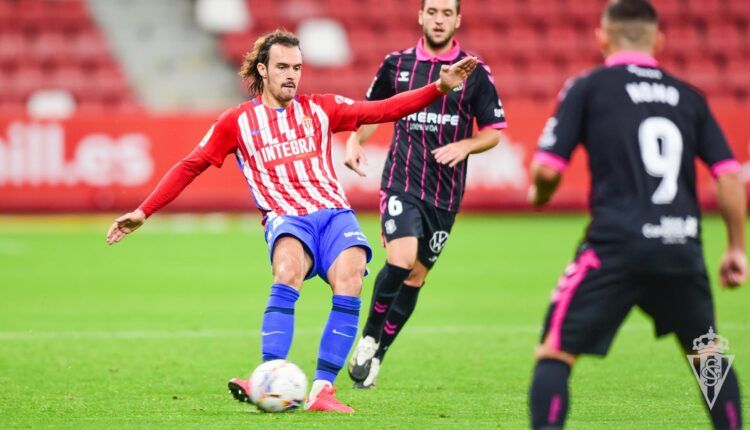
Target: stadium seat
222 16
524 42
725 38
705 75
50 44
683 39
50 103
672 10
324 42
561 40
738 78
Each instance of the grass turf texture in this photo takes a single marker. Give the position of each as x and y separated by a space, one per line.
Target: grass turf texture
146 334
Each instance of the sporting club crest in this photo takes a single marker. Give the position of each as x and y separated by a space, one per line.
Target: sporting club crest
710 365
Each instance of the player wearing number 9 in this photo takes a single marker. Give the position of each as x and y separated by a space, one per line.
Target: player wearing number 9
642 129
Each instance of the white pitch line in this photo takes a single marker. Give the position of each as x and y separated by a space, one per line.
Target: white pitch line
304 331
237 333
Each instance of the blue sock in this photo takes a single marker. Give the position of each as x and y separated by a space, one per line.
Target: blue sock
277 328
338 337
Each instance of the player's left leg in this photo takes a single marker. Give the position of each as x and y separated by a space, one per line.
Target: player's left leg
683 304
402 308
436 227
726 411
344 255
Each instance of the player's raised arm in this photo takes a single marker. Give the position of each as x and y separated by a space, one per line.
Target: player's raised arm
349 116
375 112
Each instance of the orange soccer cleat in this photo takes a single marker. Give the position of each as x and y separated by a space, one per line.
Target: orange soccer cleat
325 400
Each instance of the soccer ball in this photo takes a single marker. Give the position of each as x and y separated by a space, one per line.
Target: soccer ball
278 386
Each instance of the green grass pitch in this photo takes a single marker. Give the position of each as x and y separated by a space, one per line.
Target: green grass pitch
145 334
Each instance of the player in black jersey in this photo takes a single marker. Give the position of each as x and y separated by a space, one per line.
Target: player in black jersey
642 129
424 176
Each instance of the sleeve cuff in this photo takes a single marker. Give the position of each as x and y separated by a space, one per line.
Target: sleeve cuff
497 126
729 165
553 161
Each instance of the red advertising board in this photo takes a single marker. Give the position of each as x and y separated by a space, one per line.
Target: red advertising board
88 164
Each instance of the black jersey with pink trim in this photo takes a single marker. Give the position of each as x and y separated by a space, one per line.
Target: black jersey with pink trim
642 129
410 166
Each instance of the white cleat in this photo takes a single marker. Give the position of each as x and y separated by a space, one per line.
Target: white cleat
359 364
369 382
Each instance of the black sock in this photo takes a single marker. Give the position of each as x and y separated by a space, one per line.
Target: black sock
549 394
727 411
403 306
388 281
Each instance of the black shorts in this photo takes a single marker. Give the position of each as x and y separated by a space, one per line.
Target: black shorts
403 215
595 294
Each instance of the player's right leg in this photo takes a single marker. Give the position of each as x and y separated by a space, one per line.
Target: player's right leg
401 225
291 261
589 304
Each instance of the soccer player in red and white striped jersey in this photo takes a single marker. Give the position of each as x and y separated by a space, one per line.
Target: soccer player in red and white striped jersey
282 142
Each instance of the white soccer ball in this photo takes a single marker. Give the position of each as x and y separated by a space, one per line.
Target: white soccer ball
278 386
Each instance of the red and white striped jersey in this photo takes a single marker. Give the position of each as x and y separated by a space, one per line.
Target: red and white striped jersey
285 154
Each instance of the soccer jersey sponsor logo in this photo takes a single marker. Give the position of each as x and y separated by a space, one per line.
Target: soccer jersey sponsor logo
285 152
652 92
404 76
672 230
433 118
437 241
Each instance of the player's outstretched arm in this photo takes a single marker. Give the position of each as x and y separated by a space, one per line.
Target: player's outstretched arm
125 225
170 186
355 155
408 102
730 195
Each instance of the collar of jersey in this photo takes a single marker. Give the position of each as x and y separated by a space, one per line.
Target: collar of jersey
631 57
449 56
258 100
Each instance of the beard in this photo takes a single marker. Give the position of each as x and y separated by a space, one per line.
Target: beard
437 45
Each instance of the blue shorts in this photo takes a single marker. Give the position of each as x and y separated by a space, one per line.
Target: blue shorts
324 234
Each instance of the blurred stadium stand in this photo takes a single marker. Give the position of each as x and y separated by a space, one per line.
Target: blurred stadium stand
55 45
532 46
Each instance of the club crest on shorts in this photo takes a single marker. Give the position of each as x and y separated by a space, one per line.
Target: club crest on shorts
437 241
710 365
390 226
